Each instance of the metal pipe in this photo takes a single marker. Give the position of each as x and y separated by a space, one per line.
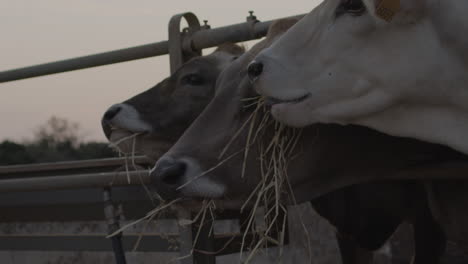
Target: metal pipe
199 40
112 226
185 236
71 165
117 247
80 181
455 170
110 57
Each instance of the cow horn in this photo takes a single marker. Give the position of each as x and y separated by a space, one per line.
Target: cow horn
387 9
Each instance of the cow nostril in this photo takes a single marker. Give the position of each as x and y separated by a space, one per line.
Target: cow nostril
168 176
112 112
254 70
173 173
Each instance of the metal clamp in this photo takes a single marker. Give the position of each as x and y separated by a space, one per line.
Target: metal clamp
252 21
252 18
205 25
180 48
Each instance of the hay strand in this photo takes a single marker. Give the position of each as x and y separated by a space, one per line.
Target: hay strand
272 190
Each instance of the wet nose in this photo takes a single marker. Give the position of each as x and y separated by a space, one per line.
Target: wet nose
254 70
167 176
112 112
107 119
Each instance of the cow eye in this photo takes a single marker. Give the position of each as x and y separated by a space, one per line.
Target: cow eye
193 79
353 7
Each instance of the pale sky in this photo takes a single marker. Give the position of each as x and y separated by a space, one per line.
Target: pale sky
39 31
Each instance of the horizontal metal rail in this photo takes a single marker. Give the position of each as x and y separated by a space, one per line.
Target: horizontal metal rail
441 171
94 180
93 243
79 181
70 165
199 40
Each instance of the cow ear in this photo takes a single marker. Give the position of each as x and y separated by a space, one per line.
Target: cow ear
389 10
278 27
231 48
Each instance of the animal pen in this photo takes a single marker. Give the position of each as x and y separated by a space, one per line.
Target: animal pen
82 190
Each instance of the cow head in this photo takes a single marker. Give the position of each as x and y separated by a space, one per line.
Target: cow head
209 159
398 66
216 139
151 121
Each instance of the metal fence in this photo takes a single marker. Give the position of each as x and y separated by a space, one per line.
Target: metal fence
194 38
69 176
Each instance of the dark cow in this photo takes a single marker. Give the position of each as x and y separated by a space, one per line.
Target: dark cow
157 117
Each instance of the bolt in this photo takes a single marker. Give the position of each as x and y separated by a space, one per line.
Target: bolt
251 17
205 26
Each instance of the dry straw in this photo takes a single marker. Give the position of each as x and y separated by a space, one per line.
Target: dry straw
206 210
130 160
272 192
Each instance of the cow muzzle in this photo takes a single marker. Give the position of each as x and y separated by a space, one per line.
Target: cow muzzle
106 120
124 117
183 178
167 176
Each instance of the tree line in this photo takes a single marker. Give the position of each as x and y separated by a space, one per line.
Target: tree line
57 140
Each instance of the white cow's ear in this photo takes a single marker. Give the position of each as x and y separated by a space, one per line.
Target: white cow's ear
399 10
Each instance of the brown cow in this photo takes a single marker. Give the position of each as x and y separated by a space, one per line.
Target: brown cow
159 116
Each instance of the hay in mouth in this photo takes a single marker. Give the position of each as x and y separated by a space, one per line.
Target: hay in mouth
129 156
273 191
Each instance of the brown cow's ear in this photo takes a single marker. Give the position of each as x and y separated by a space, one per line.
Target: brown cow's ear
387 9
231 48
278 27
402 10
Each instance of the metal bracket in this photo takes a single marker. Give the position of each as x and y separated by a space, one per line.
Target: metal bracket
205 25
252 20
180 48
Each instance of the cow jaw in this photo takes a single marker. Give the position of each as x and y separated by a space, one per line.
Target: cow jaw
123 140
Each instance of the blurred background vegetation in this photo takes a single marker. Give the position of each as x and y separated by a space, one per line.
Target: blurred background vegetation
57 140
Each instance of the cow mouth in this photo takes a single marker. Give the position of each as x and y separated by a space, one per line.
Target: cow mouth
271 101
119 134
195 203
123 140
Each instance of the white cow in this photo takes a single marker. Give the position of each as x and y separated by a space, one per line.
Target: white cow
402 69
